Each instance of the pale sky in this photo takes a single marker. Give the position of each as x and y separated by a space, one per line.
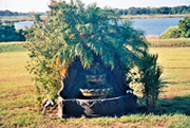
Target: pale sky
41 5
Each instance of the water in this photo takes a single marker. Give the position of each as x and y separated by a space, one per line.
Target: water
21 25
154 26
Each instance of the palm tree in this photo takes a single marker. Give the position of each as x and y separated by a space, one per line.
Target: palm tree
88 30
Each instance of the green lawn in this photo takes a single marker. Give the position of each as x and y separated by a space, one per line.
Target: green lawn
17 104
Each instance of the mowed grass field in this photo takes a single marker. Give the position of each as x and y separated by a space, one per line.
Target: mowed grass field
17 104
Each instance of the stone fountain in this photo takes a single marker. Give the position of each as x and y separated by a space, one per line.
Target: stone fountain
98 91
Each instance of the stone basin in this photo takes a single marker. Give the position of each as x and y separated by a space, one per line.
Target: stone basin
96 93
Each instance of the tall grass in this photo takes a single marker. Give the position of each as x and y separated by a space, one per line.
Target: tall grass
11 47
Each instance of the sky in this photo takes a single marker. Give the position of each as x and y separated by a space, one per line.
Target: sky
42 5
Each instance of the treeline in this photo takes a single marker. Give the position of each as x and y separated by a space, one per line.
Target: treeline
10 13
150 11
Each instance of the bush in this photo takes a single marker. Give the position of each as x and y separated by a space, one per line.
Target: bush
172 32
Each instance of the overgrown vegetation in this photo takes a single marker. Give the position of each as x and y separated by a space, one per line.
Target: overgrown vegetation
8 33
73 31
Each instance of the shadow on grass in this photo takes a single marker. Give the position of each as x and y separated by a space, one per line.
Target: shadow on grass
178 104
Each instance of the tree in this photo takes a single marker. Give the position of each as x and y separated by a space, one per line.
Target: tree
73 31
184 26
132 11
8 33
165 10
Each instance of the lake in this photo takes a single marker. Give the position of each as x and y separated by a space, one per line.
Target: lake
154 26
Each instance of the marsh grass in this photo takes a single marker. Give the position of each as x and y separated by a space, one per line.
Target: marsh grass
173 42
17 107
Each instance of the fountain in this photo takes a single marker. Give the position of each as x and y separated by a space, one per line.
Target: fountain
98 91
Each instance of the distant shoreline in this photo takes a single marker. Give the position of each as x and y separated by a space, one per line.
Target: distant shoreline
21 19
8 20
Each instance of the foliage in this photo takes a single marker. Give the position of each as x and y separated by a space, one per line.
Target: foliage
73 31
8 33
184 26
150 74
171 32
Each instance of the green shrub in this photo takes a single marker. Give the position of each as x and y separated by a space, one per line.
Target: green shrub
172 32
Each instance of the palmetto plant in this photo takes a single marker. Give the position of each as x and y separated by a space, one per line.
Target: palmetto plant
74 30
150 77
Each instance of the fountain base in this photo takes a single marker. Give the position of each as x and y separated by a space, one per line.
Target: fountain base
97 107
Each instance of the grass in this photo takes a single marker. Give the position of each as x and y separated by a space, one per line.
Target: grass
17 105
